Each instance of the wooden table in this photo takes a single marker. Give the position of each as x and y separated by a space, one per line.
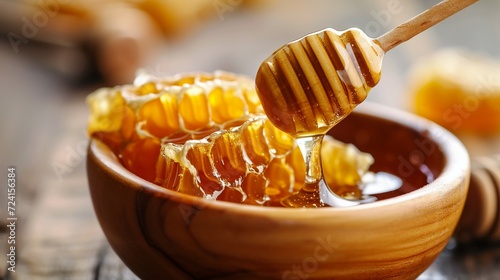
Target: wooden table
43 121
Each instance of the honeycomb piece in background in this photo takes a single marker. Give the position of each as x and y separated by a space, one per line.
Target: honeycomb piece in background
458 90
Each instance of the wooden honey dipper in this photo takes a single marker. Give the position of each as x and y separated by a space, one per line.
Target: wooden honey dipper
309 85
480 221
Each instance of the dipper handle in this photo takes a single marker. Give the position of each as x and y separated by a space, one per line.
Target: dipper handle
422 22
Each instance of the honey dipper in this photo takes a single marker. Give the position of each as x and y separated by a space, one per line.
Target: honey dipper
480 221
309 85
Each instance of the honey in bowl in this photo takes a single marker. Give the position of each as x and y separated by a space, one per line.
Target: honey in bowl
205 135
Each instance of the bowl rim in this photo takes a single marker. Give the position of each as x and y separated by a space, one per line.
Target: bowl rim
456 168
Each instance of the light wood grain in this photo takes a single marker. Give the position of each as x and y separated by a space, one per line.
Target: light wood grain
422 22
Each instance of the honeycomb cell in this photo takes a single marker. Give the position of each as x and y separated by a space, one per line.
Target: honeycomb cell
160 117
254 186
227 157
141 156
186 185
232 194
193 109
226 105
200 166
255 145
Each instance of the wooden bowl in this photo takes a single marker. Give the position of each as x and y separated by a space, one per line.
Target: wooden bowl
161 234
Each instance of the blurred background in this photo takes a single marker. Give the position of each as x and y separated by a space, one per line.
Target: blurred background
53 53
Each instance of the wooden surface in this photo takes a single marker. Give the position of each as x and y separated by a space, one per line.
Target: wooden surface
43 119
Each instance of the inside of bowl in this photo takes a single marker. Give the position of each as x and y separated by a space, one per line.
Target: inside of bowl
408 153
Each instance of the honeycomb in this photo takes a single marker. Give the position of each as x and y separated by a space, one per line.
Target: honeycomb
458 90
205 134
133 120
